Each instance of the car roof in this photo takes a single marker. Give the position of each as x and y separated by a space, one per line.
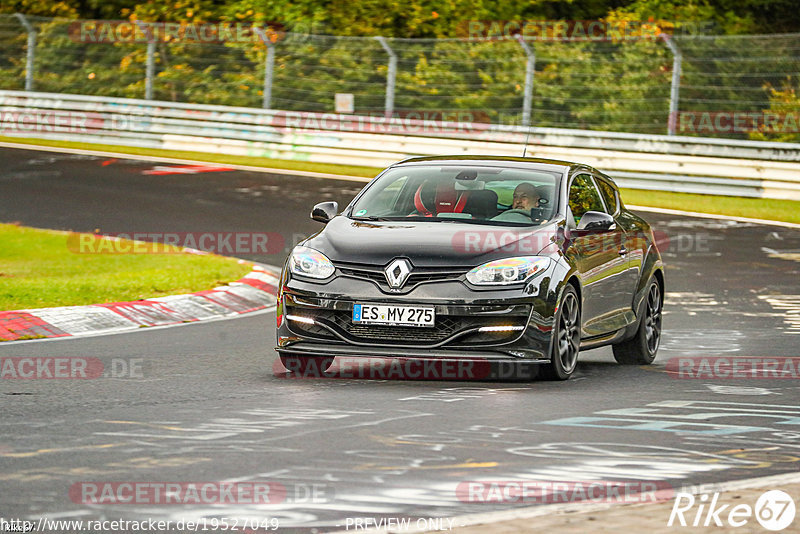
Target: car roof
502 161
492 161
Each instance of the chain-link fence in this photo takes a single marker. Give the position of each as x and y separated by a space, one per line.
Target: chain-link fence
612 85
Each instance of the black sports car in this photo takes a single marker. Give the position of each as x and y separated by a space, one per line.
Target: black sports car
475 258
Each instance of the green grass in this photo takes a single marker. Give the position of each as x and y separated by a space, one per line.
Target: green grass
777 210
756 208
38 270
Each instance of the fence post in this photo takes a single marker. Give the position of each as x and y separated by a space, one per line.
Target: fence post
530 65
30 51
268 70
150 69
674 92
390 77
269 67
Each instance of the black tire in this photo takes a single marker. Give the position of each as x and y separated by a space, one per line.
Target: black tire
641 349
306 365
566 338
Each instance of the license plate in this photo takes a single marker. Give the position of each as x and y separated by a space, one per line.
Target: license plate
419 316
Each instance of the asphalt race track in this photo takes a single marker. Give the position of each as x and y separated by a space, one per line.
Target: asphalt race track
209 403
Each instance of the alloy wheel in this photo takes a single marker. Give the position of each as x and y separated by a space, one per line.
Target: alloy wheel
652 319
569 336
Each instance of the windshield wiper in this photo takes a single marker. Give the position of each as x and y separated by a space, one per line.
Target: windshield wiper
371 218
422 218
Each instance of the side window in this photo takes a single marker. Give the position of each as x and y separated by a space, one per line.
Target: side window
583 197
609 195
386 201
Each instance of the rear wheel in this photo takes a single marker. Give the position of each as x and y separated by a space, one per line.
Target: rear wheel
642 348
306 365
566 338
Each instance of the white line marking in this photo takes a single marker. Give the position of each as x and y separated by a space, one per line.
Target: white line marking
161 159
712 216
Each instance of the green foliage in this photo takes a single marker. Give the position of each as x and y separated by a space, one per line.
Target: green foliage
784 105
609 85
44 8
424 18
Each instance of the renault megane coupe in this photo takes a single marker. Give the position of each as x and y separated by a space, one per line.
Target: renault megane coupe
498 259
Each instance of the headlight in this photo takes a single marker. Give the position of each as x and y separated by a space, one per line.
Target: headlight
507 271
308 262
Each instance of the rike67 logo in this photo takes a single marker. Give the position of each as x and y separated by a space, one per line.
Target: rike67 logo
774 510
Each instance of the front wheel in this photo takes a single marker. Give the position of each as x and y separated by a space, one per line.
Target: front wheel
566 338
306 365
642 348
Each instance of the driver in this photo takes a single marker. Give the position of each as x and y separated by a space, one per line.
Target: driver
526 197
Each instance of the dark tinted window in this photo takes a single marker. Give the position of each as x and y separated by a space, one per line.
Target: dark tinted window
583 197
609 195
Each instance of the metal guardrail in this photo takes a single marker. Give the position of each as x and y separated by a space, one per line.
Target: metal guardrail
656 162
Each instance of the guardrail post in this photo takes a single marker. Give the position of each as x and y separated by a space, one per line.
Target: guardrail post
30 50
676 83
390 77
530 65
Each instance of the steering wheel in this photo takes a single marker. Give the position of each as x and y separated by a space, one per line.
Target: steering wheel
532 215
526 213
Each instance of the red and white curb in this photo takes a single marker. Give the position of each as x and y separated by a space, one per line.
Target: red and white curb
256 291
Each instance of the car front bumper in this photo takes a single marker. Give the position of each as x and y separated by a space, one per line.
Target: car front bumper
315 320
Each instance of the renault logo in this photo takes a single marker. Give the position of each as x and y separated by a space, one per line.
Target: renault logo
397 273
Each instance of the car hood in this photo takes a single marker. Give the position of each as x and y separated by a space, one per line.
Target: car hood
427 244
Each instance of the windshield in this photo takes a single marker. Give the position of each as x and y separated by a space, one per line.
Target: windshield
468 194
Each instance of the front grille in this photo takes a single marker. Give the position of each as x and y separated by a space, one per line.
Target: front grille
375 276
398 333
444 327
417 276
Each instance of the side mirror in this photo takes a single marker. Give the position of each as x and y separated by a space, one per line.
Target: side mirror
595 222
325 211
